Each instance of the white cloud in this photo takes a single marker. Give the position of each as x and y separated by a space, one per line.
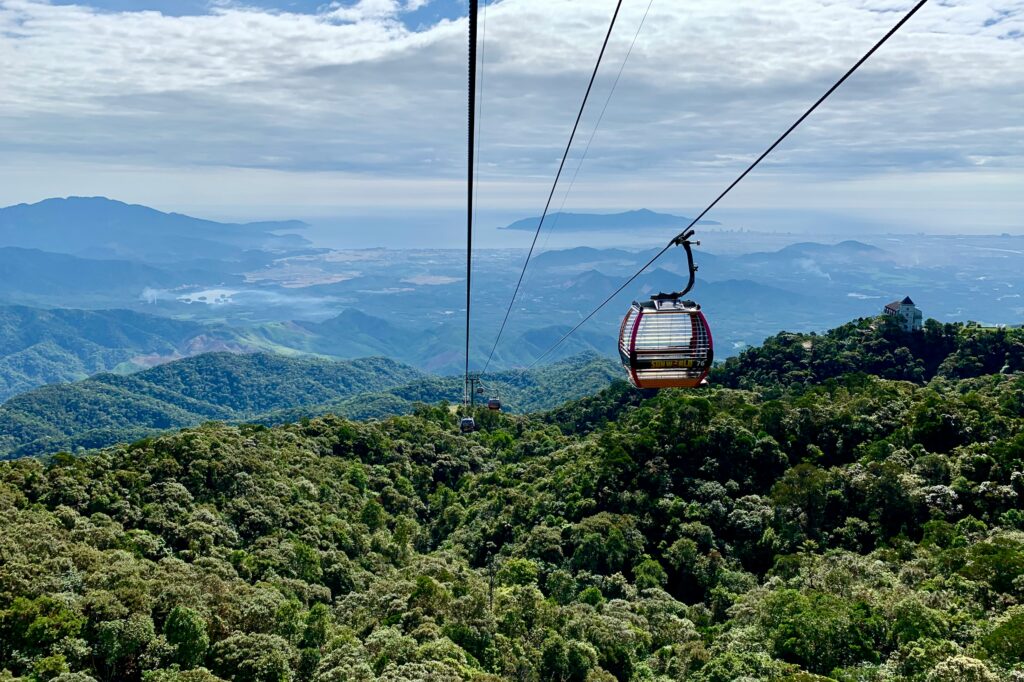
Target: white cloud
353 93
364 10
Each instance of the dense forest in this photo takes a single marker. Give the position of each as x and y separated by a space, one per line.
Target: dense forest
875 346
110 408
264 388
46 346
825 513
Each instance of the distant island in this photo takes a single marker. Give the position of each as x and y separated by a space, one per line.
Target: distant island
604 222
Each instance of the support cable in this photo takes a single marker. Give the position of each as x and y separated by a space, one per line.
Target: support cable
742 175
551 194
593 133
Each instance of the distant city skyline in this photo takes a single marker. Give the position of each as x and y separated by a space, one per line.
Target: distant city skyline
321 110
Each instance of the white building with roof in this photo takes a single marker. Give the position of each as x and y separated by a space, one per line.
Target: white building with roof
908 315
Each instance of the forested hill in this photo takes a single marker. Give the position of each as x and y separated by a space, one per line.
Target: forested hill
866 529
108 408
44 346
875 346
520 391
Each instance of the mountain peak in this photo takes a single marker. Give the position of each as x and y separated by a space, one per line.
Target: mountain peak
99 226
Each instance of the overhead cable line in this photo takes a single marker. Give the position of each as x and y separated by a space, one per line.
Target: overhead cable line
554 185
742 175
600 118
473 10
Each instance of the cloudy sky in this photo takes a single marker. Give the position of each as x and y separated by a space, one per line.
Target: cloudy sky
282 108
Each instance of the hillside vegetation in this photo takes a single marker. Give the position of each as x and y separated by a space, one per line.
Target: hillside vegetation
270 389
39 346
861 529
110 408
875 346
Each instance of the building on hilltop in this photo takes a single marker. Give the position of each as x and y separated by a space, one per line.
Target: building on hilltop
907 314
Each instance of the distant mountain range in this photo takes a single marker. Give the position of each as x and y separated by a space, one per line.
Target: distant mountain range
77 266
97 227
45 346
48 345
34 277
642 219
108 408
843 252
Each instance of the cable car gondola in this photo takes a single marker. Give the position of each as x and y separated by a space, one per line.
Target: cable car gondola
467 425
494 404
666 342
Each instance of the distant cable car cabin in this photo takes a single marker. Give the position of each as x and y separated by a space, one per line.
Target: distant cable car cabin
666 342
494 404
467 425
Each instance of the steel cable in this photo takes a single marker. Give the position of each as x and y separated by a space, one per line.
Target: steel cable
551 194
742 175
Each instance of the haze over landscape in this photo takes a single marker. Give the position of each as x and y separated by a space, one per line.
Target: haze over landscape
249 431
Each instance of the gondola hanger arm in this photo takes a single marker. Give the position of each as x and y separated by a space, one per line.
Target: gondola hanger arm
684 239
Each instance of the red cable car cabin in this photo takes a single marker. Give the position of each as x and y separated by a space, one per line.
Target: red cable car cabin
666 343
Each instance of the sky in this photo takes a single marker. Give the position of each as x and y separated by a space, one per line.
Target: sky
328 110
